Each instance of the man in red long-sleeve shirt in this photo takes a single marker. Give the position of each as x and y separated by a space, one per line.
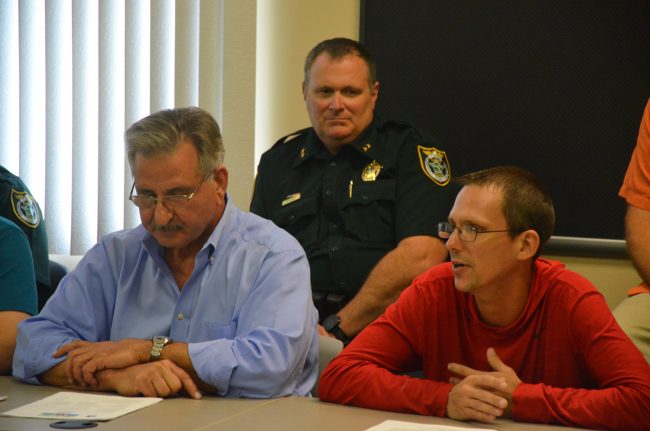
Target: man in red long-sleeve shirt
498 331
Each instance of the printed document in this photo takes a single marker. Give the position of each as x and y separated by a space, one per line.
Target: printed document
411 426
81 406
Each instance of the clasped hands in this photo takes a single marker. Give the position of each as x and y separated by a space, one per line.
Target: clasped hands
482 395
125 368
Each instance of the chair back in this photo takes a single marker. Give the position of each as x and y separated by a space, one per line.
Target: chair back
328 348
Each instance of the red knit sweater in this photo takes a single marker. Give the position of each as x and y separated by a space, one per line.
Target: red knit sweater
577 366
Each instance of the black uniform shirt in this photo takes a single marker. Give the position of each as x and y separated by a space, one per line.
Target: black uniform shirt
350 209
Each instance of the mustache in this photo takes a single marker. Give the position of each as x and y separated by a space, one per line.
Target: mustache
170 227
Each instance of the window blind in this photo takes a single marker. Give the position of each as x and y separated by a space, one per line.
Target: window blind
76 73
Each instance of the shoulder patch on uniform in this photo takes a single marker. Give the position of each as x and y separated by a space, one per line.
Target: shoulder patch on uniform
434 164
25 208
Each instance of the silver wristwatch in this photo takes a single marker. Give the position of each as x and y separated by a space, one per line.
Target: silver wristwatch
159 341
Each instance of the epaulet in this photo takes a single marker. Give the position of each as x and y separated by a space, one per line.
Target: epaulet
291 136
404 126
395 123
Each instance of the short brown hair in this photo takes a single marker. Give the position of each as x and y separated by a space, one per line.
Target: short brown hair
526 203
339 47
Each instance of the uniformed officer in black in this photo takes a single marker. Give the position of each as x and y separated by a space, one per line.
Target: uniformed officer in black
361 195
18 205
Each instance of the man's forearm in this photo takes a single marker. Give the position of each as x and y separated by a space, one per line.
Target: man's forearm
392 274
113 379
9 323
113 356
6 355
56 376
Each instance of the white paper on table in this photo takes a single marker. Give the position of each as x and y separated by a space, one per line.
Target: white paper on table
412 426
82 406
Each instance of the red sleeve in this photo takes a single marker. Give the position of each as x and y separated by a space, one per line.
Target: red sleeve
620 399
362 375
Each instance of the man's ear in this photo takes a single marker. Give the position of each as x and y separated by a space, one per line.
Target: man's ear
375 90
221 178
304 91
528 242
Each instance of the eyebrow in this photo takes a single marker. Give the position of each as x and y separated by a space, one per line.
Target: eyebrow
173 191
466 223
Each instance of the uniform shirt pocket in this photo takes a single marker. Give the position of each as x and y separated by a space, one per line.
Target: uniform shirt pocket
300 219
369 213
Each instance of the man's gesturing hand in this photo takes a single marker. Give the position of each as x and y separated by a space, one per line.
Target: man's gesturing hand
482 395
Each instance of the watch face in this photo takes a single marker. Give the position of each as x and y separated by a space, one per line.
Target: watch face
331 322
160 340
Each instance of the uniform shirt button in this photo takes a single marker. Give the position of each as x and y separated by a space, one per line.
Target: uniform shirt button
181 316
328 193
335 226
332 163
292 218
335 249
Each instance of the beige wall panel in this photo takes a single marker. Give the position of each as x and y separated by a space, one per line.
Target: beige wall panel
613 277
238 122
287 30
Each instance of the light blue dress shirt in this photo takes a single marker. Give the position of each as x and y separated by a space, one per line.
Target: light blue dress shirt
246 311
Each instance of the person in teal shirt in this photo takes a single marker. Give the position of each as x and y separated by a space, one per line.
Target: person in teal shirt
19 206
17 288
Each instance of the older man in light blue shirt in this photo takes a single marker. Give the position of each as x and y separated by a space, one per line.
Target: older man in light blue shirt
199 297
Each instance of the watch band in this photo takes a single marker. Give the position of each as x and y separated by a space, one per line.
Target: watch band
331 325
159 341
340 335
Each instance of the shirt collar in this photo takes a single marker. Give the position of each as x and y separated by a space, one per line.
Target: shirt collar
314 147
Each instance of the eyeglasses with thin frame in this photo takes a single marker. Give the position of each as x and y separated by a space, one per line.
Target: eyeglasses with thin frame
171 202
467 232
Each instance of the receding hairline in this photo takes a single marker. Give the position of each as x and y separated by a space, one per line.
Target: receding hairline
341 47
161 134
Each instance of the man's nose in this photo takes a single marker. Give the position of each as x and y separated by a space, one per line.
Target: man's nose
162 214
336 102
453 242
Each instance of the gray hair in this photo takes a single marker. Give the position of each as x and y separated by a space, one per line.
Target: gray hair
161 133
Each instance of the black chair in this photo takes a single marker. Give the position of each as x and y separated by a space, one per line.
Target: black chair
57 272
